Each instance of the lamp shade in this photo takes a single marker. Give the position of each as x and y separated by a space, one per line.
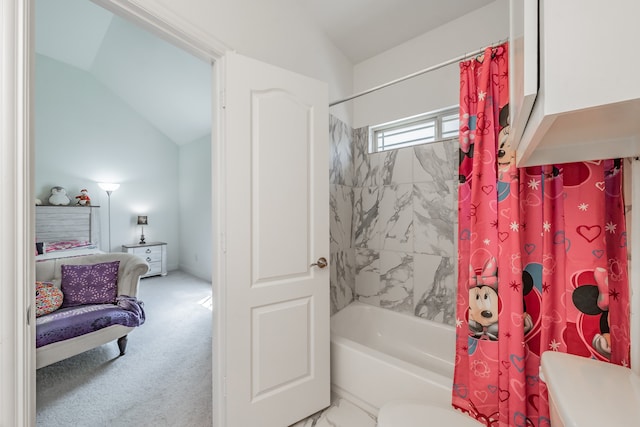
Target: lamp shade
142 220
109 186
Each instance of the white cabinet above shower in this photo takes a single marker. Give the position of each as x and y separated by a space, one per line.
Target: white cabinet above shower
575 80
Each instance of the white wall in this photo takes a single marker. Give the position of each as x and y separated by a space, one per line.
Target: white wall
278 32
84 135
434 90
194 171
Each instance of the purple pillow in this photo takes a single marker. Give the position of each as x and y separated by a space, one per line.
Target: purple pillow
89 284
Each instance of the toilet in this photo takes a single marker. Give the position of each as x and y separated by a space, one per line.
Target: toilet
586 392
582 393
417 414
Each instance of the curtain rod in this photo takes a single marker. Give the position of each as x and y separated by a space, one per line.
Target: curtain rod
415 74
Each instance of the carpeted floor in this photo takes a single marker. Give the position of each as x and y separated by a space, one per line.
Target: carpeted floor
163 380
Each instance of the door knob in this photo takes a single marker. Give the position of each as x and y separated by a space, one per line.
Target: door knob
321 263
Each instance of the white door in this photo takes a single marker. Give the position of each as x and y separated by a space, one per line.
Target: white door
276 208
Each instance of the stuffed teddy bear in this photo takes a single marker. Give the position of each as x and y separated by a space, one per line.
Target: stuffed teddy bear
59 196
83 198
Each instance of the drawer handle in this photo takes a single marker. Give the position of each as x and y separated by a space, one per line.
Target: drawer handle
148 259
148 251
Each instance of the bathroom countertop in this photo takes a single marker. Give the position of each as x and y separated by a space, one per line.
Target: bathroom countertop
589 392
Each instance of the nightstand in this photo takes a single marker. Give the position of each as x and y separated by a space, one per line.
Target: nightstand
155 253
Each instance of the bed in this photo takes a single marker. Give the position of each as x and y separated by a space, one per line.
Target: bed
67 231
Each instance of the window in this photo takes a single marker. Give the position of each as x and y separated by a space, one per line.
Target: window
422 129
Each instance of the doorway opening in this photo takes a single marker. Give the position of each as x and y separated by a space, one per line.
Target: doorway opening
191 218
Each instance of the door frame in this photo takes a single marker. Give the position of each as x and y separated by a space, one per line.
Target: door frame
17 358
17 265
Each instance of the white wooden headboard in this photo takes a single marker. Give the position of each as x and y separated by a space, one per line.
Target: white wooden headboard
62 223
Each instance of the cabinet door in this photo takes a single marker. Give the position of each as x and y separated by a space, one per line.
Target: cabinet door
523 55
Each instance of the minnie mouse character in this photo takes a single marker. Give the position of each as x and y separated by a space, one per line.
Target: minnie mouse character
505 155
528 283
594 300
483 301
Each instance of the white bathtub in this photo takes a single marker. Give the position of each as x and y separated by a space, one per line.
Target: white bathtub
378 355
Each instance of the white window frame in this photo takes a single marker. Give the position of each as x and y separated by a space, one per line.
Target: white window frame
435 117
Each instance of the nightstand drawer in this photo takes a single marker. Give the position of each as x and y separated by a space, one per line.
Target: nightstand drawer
150 254
154 268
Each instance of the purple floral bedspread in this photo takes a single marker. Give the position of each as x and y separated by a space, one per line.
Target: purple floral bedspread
71 322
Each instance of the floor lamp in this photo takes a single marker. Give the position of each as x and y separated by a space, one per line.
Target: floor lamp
109 188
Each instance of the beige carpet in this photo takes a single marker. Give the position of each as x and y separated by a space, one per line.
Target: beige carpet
164 379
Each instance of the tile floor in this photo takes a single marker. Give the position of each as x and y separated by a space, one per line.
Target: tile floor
341 413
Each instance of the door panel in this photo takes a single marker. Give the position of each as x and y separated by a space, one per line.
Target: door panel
281 179
276 206
281 361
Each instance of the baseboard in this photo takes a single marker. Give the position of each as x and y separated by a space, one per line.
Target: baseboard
351 398
195 272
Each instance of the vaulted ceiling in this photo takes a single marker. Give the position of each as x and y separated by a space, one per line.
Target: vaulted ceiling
167 86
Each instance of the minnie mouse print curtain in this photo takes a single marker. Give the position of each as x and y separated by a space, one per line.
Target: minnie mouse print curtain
542 259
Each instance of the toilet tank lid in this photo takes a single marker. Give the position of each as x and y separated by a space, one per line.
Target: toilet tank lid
591 392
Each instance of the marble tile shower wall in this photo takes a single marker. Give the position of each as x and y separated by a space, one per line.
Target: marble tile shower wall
404 228
342 257
393 225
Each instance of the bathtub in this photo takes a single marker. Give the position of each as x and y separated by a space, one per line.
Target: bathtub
378 355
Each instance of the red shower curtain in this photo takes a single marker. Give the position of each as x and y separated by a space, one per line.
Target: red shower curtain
542 260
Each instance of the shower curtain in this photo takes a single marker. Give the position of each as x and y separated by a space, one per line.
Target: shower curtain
542 260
